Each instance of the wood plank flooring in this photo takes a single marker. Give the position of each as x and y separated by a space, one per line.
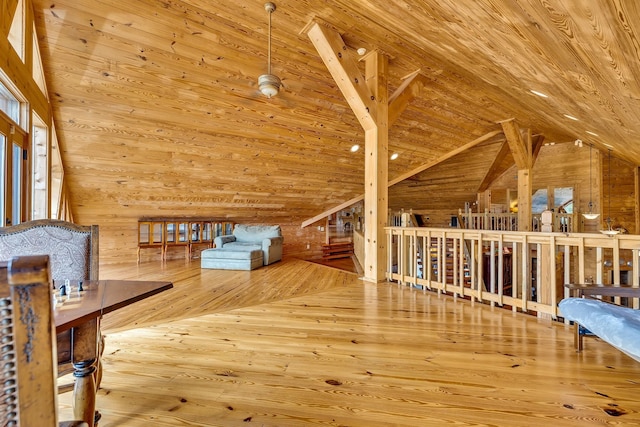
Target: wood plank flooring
300 344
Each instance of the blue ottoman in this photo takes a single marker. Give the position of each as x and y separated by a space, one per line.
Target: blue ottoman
229 259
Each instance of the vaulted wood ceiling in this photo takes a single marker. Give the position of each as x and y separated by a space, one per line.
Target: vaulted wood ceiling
158 113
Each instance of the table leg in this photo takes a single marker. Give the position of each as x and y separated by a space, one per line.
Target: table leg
85 358
84 392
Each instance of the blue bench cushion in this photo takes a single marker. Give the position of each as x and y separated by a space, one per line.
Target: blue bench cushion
619 326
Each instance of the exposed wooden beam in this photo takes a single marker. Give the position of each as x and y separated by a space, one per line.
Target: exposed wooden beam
497 168
400 99
537 145
525 184
368 98
333 210
444 157
376 171
344 70
520 148
409 174
499 165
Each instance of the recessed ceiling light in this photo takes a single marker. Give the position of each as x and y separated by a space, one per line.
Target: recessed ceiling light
543 95
592 133
570 117
355 148
361 51
394 156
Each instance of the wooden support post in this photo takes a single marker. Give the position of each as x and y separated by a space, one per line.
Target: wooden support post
522 150
524 199
376 170
368 98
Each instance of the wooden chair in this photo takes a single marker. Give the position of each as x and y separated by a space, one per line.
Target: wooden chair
73 255
72 248
27 332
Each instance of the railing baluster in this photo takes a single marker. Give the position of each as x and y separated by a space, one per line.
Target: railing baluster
423 257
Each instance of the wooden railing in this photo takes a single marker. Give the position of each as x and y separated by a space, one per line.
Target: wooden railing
562 222
523 271
358 246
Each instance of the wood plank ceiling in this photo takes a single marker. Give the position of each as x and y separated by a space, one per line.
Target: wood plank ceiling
158 113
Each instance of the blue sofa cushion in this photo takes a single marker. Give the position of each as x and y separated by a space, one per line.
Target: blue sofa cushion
255 233
243 246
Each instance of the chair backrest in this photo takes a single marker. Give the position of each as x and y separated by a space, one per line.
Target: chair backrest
255 233
72 248
27 334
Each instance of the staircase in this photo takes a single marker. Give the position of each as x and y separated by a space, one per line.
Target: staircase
450 267
337 250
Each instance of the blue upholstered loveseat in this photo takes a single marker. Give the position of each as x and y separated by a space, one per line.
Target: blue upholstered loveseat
267 238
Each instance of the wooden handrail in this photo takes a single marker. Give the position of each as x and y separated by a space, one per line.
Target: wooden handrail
523 270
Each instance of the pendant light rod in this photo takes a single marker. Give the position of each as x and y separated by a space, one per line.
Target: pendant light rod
270 8
609 198
269 84
609 231
590 214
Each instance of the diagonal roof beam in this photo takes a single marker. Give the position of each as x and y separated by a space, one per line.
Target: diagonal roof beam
444 157
496 169
400 99
409 174
344 70
537 145
520 148
499 166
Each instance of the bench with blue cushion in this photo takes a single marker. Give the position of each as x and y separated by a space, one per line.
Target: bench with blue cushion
615 324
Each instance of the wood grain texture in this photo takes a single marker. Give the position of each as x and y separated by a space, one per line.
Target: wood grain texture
316 346
157 109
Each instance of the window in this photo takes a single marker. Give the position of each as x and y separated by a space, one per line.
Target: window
9 104
563 199
16 31
3 174
40 168
539 201
16 184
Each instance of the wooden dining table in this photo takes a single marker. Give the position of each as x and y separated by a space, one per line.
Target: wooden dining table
77 318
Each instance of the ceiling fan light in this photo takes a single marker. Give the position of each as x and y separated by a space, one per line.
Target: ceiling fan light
269 85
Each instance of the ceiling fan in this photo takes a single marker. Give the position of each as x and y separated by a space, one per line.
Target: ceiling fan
269 84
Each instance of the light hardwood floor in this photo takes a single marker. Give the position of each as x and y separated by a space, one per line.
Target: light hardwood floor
299 344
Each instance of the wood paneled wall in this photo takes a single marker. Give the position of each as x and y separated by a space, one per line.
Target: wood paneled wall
158 112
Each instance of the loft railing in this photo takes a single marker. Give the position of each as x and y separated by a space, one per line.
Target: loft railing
561 222
524 271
